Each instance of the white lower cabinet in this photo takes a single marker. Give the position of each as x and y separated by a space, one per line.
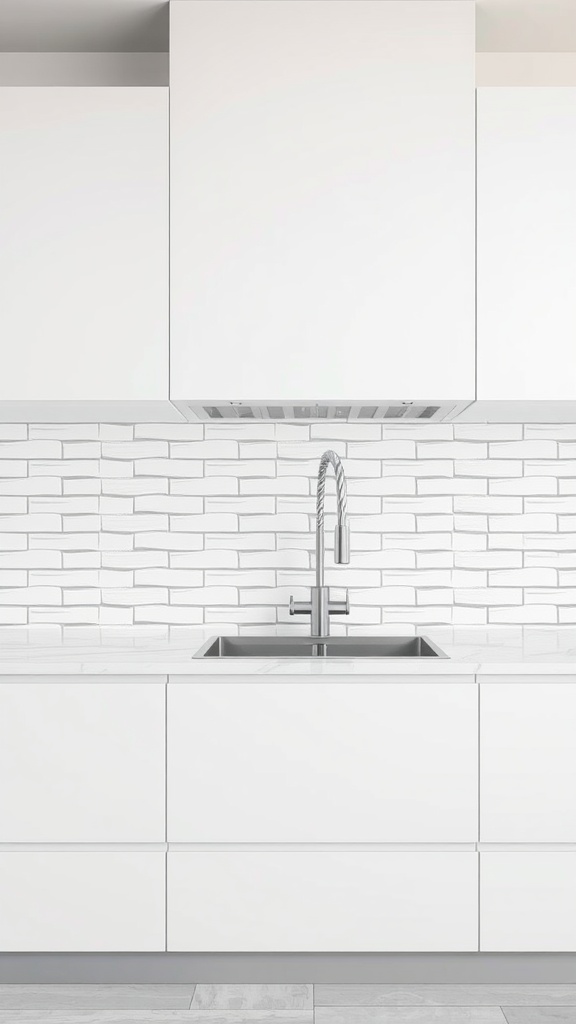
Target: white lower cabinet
322 762
82 761
322 901
528 902
82 901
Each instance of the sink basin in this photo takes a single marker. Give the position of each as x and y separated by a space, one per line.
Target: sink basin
331 647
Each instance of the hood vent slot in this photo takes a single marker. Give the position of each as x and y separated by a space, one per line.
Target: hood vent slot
238 411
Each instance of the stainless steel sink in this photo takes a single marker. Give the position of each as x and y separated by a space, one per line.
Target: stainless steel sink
308 647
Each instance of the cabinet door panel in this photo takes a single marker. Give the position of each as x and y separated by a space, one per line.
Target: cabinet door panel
526 252
322 762
81 762
528 902
81 902
328 902
84 254
322 198
527 763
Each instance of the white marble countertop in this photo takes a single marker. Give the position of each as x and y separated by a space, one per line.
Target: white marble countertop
161 651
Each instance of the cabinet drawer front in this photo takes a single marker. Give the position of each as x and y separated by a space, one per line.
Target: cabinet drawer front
81 762
322 762
75 902
311 902
528 763
528 902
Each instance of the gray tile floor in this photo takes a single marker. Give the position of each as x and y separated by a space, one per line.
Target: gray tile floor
288 1004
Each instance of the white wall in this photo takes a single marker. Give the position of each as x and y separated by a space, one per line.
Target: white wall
191 524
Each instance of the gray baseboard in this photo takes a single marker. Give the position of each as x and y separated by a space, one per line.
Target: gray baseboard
448 968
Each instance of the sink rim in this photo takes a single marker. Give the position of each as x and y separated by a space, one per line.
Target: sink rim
338 641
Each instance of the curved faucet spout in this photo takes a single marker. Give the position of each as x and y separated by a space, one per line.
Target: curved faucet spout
341 533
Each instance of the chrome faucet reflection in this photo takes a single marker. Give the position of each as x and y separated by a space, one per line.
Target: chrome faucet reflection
320 607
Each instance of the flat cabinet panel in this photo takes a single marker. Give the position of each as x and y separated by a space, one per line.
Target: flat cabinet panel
82 902
322 198
84 254
528 902
526 251
322 902
82 762
322 762
527 763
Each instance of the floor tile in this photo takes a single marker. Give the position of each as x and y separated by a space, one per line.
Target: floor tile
252 997
540 1014
94 997
409 1015
128 1016
445 995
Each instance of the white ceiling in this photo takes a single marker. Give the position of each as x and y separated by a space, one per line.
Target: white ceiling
142 25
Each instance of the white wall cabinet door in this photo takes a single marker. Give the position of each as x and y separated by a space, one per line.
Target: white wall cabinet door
84 253
322 198
82 762
322 902
322 762
82 902
528 902
527 763
526 243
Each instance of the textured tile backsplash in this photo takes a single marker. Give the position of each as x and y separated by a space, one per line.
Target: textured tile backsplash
184 524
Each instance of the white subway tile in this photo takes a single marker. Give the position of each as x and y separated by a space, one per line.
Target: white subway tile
168 614
435 559
80 524
534 522
392 558
527 577
488 431
567 486
468 616
293 558
488 559
64 616
523 614
242 505
555 559
10 468
134 559
13 432
78 485
135 449
486 596
384 596
434 523
75 560
207 485
452 450
566 615
258 450
81 450
525 485
164 541
454 485
139 522
23 486
468 578
256 431
205 559
386 485
560 504
296 523
31 524
12 503
218 522
168 503
550 431
30 450
567 579
116 431
418 431
415 542
110 616
64 578
31 595
241 468
243 615
68 504
169 431
30 559
398 449
287 485
13 616
469 542
249 542
206 596
115 505
488 467
135 595
422 505
545 467
386 522
567 524
241 578
204 450
60 431
13 577
112 578
345 432
168 577
484 505
70 467
82 597
553 595
164 467
117 541
307 450
565 451
61 541
292 432
531 449
406 618
434 597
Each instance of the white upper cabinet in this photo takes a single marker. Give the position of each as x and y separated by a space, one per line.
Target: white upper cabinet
526 243
322 200
84 252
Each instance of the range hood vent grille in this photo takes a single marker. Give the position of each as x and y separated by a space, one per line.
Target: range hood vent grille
369 411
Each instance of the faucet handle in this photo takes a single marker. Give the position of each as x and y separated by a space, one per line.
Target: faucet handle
340 607
300 607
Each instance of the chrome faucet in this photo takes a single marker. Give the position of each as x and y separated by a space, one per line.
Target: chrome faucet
320 606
